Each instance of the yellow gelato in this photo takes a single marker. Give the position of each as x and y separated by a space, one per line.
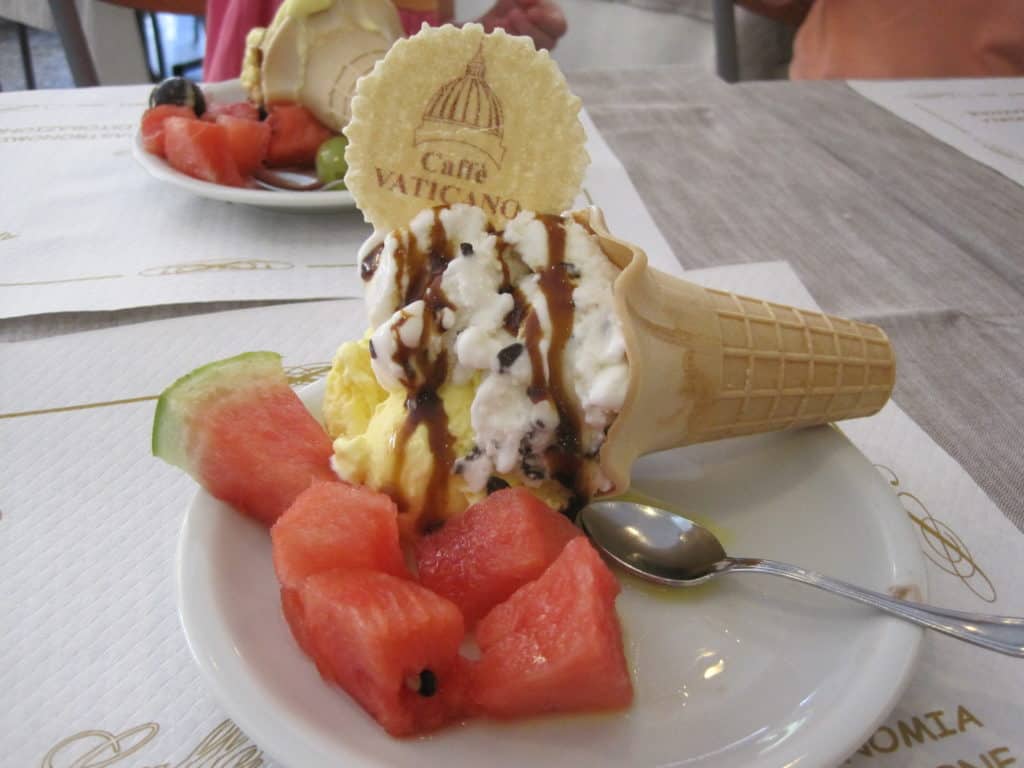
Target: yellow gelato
366 423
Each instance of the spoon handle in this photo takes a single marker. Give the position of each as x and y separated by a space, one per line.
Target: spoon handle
998 633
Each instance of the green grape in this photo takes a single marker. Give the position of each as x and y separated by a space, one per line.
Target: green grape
330 160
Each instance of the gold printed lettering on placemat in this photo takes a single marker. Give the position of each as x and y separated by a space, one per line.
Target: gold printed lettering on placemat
81 132
98 749
944 547
905 733
231 265
297 376
224 747
306 374
79 407
62 280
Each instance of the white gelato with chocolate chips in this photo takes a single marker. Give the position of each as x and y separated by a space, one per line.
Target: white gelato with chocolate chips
523 317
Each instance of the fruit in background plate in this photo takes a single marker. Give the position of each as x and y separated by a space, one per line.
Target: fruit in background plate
295 136
390 644
242 109
247 141
556 644
152 127
201 150
181 92
336 525
242 433
480 558
330 160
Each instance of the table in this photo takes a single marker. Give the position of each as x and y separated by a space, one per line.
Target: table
880 221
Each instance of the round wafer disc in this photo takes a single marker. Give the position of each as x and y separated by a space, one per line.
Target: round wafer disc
456 115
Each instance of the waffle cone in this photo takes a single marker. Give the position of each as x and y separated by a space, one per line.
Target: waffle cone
708 364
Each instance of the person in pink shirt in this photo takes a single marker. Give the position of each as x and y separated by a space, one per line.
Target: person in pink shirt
901 39
228 22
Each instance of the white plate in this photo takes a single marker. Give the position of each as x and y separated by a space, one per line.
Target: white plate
280 200
747 672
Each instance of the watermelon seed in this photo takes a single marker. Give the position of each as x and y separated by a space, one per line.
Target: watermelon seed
495 484
425 683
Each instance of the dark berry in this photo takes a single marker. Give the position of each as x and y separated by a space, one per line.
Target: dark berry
180 92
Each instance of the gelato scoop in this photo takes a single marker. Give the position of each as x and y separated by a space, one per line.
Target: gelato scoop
314 51
493 358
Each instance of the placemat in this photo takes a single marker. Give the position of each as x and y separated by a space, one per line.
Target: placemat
95 668
84 228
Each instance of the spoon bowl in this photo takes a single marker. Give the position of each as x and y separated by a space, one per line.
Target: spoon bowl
657 546
668 549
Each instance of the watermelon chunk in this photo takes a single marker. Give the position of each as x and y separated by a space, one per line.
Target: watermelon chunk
556 644
295 136
496 546
201 150
152 127
247 141
238 428
335 525
390 643
295 615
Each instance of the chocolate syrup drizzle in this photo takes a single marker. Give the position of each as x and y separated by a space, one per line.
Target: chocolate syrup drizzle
563 456
421 271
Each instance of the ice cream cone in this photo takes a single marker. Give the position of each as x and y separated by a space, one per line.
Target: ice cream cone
708 364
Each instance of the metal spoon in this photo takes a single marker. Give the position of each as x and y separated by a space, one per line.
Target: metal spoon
660 546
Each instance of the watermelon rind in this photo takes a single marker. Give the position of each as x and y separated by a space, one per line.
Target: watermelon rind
230 377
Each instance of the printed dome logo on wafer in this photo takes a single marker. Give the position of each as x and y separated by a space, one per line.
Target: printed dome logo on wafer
454 115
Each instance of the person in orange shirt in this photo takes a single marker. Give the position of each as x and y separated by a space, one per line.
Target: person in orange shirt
901 39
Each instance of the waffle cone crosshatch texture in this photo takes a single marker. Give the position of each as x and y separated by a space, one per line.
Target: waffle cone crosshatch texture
707 364
786 367
457 115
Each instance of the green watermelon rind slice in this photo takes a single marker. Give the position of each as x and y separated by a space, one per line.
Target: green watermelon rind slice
180 402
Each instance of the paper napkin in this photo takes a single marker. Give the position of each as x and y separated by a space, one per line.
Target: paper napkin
94 666
84 227
983 118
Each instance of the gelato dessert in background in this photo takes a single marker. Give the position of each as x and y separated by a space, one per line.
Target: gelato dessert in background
493 359
314 51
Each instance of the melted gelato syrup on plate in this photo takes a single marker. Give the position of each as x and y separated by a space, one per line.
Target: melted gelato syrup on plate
546 395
